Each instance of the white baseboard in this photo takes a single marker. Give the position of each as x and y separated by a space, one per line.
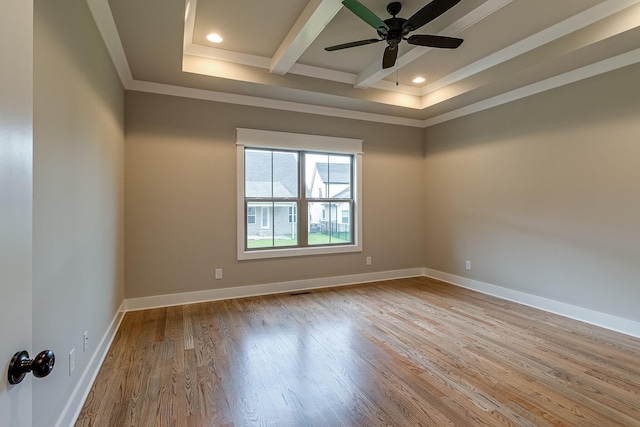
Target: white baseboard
76 401
607 321
614 323
144 303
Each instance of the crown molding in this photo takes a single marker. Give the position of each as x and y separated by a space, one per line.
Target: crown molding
254 101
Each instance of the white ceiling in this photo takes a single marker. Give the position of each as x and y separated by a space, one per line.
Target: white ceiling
273 53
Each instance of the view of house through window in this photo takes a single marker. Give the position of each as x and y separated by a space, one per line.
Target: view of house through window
297 198
329 175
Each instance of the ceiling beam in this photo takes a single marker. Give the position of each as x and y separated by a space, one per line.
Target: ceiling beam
374 73
309 25
572 24
103 18
189 23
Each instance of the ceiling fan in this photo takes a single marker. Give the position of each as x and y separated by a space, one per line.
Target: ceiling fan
394 30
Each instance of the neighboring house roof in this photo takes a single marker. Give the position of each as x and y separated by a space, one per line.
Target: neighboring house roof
338 173
344 194
263 189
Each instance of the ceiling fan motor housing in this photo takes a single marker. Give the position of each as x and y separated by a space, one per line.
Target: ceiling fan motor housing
396 31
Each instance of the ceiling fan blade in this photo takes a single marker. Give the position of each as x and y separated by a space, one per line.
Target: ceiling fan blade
389 58
352 44
366 15
427 14
442 42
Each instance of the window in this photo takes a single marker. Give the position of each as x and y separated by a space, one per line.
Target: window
283 174
293 213
251 215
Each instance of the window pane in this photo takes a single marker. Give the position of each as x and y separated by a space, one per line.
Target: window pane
258 173
339 177
285 174
328 229
317 173
285 224
270 226
328 176
341 225
259 220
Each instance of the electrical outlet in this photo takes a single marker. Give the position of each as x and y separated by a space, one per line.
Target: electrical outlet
85 341
72 360
468 265
218 273
368 261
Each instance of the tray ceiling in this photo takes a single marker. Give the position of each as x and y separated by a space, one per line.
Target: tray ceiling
273 53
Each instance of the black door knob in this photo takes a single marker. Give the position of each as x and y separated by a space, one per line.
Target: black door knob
21 365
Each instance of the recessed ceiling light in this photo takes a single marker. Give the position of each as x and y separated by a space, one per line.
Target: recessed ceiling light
419 80
214 38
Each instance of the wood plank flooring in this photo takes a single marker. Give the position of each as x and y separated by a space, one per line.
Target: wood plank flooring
410 352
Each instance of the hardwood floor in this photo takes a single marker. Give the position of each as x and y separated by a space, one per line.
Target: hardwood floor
411 352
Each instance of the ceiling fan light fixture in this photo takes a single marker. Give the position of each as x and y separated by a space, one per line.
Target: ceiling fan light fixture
419 80
214 38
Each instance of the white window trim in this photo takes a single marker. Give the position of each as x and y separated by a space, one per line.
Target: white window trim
283 140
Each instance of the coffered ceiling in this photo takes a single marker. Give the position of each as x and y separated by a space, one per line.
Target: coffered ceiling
273 55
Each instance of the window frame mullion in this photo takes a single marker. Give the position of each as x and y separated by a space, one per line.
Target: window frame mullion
303 208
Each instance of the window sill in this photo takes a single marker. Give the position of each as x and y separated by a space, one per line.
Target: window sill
294 252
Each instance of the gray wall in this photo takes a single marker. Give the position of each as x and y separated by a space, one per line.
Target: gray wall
543 194
78 217
181 196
